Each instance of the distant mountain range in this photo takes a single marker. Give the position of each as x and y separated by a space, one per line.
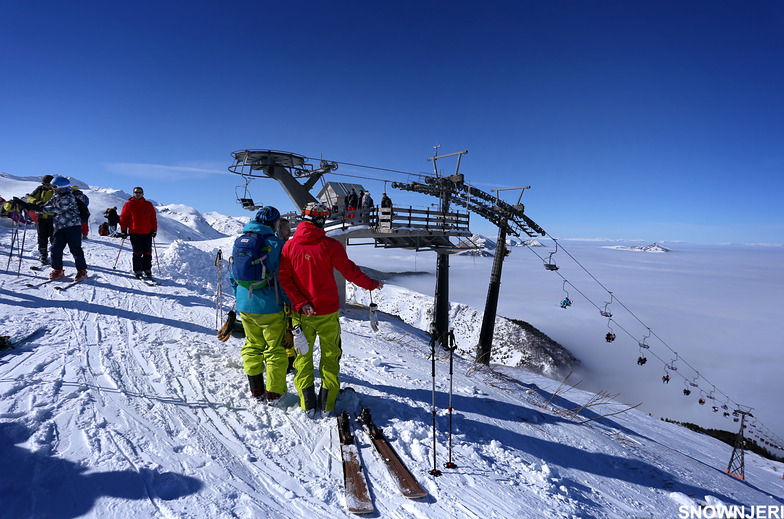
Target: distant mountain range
478 245
654 247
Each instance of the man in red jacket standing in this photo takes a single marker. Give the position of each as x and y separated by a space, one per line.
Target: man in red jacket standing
138 219
306 275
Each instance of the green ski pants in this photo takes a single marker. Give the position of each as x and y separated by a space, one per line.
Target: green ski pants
327 329
264 348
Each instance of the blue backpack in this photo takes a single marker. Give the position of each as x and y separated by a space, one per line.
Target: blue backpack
248 262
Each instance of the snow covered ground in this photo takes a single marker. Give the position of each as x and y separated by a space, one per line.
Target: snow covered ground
126 405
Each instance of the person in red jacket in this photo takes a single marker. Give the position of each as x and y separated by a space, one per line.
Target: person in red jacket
306 275
139 221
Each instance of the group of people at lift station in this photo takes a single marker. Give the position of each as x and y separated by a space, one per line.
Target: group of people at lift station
286 294
362 203
60 213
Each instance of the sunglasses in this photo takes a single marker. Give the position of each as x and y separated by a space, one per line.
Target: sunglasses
138 192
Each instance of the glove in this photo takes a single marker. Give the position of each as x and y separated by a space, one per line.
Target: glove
21 204
301 345
154 234
122 235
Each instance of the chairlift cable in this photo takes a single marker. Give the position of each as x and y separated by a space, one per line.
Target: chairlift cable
372 167
692 381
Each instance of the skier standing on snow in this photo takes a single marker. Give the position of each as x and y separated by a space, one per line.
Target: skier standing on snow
112 218
306 274
67 225
262 313
139 221
43 221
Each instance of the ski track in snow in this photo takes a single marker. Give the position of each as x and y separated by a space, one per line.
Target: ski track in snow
128 405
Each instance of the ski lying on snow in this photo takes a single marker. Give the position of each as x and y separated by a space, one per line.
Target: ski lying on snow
8 343
357 496
69 285
34 285
405 481
149 282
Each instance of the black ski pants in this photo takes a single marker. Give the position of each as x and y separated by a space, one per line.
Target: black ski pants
45 228
73 237
142 252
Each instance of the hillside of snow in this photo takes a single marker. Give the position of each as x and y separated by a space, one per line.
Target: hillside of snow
175 221
125 404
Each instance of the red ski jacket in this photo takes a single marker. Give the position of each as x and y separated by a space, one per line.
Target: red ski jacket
306 270
138 217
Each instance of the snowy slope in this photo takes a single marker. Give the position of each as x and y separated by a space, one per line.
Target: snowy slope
175 221
128 406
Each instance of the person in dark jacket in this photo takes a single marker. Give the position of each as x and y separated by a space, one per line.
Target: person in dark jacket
306 275
139 221
113 219
352 202
43 223
66 222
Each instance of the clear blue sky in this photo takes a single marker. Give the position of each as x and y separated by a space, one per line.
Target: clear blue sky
631 119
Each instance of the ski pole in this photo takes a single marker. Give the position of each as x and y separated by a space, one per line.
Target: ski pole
13 241
219 294
435 472
156 254
21 249
118 253
452 347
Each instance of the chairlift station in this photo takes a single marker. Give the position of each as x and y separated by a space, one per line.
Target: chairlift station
399 227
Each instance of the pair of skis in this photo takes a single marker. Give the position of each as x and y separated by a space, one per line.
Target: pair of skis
358 499
69 284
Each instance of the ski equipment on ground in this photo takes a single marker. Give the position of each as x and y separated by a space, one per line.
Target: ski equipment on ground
357 496
118 252
225 332
149 281
373 308
452 347
48 280
8 343
219 292
155 247
435 472
70 284
21 249
405 481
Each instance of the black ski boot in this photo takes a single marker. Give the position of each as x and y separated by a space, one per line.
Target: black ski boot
322 403
309 396
257 386
273 398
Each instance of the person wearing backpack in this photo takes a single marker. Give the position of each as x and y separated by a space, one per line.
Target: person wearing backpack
65 208
307 276
43 221
139 221
253 270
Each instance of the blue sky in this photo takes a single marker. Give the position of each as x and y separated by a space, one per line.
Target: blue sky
629 119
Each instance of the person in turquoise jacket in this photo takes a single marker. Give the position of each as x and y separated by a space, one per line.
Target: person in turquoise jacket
263 317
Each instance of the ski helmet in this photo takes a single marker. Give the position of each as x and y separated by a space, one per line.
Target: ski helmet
61 182
267 215
47 179
316 213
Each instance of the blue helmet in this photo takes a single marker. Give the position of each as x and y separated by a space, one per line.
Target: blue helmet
61 182
267 215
